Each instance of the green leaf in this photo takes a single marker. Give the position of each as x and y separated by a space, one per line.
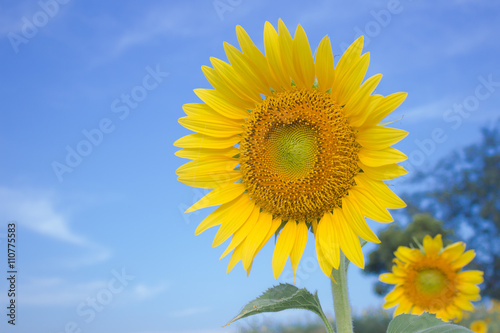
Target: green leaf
279 298
425 323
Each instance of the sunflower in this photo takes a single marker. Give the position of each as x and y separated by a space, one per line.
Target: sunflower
431 279
479 326
289 144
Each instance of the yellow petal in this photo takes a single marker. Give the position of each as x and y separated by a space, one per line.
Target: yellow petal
328 240
212 165
350 57
377 158
247 70
324 65
351 82
233 222
404 307
285 44
390 278
216 101
299 246
210 180
303 62
353 216
203 110
255 238
274 226
406 254
381 191
357 104
218 215
213 127
379 137
470 289
219 196
324 264
273 56
385 107
368 104
417 310
235 82
249 49
432 247
453 251
349 241
241 234
196 153
464 259
199 140
474 277
394 295
225 88
385 172
235 258
369 205
463 303
283 247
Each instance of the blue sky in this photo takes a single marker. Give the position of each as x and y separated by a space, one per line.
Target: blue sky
103 244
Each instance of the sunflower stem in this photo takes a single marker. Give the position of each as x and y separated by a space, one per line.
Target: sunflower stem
328 326
341 298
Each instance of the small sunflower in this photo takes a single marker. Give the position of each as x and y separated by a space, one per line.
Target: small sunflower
291 144
432 280
479 326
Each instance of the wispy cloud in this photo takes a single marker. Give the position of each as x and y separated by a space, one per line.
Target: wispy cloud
432 110
165 20
55 291
142 291
36 211
216 330
188 312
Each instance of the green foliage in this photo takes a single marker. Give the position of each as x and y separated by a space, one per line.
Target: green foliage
463 190
380 260
425 323
282 297
372 322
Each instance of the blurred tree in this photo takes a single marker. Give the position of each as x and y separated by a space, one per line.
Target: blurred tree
463 190
380 260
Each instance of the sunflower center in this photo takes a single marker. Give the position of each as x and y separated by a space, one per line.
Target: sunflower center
431 284
298 154
292 150
431 281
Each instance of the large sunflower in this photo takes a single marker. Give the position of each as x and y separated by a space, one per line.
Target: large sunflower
432 280
288 143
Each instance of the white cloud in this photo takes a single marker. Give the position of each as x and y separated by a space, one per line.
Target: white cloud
36 211
189 312
142 291
216 330
55 291
166 20
430 111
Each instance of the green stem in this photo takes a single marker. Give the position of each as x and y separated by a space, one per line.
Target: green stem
340 297
328 326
